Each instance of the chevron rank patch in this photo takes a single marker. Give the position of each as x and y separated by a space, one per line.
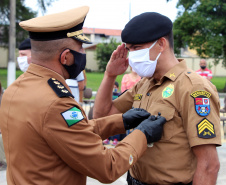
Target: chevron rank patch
137 97
205 129
202 102
72 116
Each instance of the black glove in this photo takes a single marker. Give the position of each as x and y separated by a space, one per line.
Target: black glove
152 128
134 117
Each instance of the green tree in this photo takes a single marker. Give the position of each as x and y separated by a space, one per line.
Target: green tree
201 25
22 13
103 52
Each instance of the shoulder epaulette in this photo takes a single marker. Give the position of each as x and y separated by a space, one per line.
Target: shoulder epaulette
59 88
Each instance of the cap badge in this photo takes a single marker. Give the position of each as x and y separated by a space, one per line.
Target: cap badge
202 102
168 91
78 34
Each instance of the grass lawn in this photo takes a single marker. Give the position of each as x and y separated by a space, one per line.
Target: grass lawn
94 79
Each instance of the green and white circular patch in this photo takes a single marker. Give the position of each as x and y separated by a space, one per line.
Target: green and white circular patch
72 116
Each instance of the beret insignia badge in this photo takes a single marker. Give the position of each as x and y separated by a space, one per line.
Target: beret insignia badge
202 103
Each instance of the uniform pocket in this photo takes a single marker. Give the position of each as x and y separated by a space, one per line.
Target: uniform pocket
167 111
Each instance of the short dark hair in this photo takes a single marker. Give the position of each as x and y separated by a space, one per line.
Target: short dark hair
116 83
169 37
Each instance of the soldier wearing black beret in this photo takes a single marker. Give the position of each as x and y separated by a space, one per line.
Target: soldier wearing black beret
24 58
48 139
186 153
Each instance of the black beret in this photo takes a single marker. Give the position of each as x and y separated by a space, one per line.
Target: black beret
146 27
26 44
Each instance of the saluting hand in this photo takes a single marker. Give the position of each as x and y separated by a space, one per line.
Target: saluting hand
118 62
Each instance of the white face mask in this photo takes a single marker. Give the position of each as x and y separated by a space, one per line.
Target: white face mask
140 62
23 64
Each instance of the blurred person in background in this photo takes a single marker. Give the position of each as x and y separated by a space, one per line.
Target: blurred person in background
24 58
76 85
81 92
129 80
204 71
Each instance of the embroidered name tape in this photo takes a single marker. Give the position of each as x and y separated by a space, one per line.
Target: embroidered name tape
72 116
202 102
205 129
137 97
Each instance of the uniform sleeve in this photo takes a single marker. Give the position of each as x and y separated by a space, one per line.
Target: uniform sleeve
113 126
80 77
200 113
69 134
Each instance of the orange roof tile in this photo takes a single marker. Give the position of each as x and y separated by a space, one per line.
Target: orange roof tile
102 31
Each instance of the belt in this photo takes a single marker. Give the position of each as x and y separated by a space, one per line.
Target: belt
132 181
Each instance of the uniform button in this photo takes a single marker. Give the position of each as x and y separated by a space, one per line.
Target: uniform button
148 94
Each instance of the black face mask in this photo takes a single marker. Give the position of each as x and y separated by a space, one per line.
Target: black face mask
79 64
203 67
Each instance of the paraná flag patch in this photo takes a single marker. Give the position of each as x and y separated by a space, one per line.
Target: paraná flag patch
72 116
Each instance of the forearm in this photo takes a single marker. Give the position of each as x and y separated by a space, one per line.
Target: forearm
108 126
103 100
206 175
207 165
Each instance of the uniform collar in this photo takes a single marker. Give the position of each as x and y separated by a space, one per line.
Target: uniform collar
44 72
174 72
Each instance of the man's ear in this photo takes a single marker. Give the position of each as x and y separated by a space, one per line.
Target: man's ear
162 42
65 57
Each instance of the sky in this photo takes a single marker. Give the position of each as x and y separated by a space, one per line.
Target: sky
111 14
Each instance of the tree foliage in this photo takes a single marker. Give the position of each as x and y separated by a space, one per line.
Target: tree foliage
201 25
103 52
22 13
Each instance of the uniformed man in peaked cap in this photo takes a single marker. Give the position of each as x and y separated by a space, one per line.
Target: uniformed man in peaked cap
186 153
47 136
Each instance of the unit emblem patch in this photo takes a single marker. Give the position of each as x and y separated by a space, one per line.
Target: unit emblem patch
205 129
72 116
137 97
202 102
168 91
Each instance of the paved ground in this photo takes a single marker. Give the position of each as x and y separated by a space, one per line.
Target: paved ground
122 180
